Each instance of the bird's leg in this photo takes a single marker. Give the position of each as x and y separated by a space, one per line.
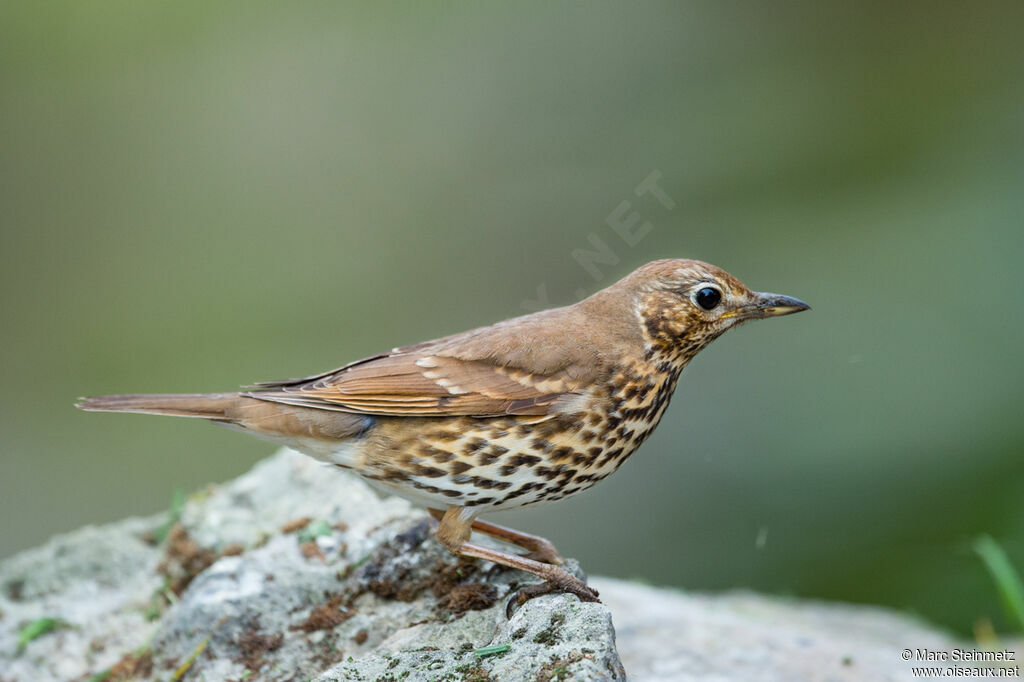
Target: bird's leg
454 531
540 549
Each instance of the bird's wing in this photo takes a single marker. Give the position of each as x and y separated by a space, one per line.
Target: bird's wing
537 365
410 382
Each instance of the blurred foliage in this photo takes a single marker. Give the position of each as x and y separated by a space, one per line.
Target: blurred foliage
195 196
1006 578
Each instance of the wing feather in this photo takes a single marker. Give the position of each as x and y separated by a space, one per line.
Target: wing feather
537 365
422 384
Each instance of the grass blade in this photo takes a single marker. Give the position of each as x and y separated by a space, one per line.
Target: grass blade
1006 577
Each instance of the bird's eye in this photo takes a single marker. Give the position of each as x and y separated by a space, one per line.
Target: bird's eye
708 297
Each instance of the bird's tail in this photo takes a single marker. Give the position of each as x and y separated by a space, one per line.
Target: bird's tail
315 432
203 405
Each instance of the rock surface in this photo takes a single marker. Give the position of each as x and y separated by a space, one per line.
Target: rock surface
670 636
295 571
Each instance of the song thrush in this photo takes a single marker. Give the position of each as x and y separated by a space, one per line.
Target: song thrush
523 412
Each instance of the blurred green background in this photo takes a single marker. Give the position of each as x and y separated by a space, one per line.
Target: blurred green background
199 195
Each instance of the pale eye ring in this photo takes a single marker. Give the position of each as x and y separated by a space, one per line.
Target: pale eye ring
707 298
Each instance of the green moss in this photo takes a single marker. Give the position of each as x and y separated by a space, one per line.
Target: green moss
558 668
551 634
472 673
313 530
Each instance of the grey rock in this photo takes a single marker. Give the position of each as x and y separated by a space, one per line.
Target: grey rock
672 636
362 592
96 582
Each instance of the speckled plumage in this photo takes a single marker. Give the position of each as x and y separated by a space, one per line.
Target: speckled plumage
523 412
500 463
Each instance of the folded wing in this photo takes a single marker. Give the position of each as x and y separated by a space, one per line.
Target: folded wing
426 385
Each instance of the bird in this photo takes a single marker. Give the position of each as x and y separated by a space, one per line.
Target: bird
524 412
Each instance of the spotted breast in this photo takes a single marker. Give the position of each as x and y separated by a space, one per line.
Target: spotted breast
501 463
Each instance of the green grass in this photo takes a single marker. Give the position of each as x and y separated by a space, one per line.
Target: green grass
1007 579
38 628
492 650
173 514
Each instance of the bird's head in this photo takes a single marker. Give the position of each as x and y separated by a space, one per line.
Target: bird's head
683 305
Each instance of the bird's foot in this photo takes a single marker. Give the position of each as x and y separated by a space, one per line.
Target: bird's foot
567 583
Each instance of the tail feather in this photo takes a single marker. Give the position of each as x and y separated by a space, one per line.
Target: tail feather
318 433
202 405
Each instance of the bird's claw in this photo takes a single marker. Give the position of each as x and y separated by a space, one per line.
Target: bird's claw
525 594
